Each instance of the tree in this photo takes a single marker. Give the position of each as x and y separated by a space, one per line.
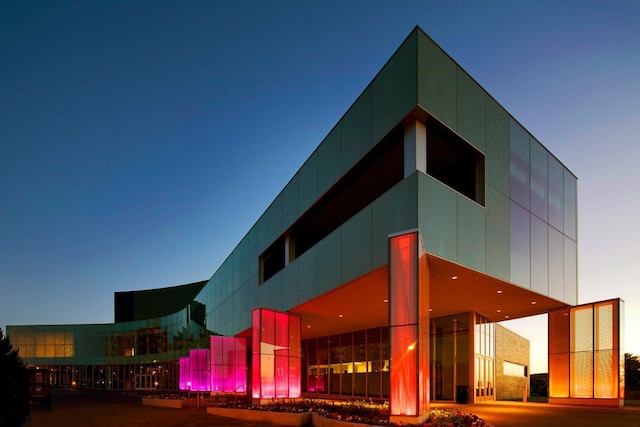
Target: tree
632 371
14 385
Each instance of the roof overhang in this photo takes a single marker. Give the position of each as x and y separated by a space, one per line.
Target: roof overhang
363 303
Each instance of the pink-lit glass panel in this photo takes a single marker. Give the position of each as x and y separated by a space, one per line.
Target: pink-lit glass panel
216 350
268 329
240 352
185 373
281 338
255 377
256 337
199 367
273 340
217 378
240 375
294 377
282 376
228 364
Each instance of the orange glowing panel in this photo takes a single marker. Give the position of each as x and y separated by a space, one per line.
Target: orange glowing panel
404 380
276 354
403 270
403 322
423 333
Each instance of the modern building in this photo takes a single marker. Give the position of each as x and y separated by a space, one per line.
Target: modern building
425 216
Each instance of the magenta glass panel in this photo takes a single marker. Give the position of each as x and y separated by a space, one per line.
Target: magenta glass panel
199 367
256 343
217 378
185 373
228 344
282 376
255 331
240 374
228 364
216 350
294 377
239 355
281 331
267 327
255 377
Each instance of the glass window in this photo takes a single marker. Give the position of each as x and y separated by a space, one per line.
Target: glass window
520 246
556 264
556 194
452 161
539 203
570 272
519 164
570 205
539 256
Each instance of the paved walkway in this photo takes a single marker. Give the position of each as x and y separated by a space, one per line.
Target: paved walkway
518 414
86 408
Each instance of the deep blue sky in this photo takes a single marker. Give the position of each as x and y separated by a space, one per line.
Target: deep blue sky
139 141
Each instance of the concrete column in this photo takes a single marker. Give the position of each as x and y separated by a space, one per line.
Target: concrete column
415 148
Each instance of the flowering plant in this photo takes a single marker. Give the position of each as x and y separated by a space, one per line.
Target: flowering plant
367 413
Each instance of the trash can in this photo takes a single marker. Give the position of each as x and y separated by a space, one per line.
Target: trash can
462 394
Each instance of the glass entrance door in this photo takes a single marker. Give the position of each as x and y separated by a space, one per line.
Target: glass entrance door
450 357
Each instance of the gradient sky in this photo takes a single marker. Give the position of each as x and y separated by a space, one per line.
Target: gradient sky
139 141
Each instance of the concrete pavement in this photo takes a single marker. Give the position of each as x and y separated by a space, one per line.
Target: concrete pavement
518 414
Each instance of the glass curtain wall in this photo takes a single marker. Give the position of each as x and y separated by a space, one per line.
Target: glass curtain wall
349 364
139 376
449 356
484 358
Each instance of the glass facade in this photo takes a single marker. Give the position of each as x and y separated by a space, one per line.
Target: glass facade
119 356
349 364
484 355
543 219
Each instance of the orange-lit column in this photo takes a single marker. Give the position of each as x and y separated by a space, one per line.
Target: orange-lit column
408 326
586 354
276 355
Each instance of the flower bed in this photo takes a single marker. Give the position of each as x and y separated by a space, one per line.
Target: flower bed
368 413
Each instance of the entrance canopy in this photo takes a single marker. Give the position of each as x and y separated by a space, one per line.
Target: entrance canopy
362 303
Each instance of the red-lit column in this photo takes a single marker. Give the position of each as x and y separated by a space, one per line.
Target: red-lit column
409 328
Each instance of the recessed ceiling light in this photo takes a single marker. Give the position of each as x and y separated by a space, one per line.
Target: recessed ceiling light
340 316
454 277
431 309
506 317
386 300
499 291
308 326
533 303
498 311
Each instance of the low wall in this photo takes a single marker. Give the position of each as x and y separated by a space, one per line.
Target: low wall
163 403
318 420
280 418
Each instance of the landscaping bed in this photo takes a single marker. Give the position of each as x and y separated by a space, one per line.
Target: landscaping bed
339 414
